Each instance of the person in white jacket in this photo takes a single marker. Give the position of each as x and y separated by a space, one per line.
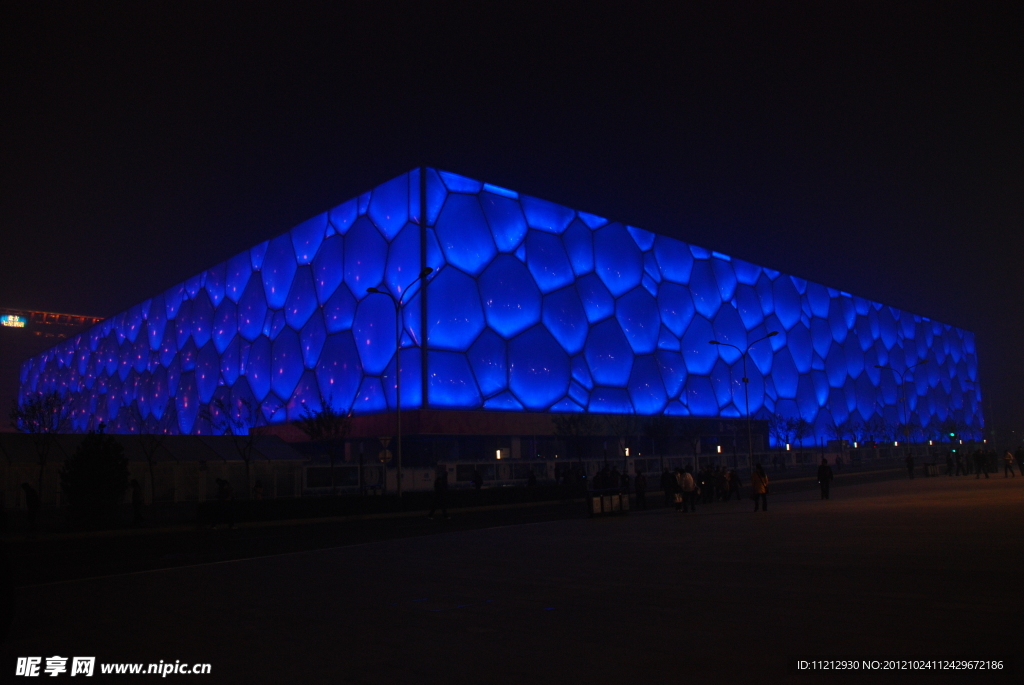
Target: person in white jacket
688 488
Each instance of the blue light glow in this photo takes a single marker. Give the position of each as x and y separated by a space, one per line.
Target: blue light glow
511 300
538 368
617 259
505 216
532 307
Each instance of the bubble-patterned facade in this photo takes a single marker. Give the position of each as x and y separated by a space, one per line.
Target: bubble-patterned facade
532 306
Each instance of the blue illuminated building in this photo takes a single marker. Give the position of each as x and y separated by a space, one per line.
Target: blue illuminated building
532 307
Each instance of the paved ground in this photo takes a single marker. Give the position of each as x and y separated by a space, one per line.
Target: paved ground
49 555
925 568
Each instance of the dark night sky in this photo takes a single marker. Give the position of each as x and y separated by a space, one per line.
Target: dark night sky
874 148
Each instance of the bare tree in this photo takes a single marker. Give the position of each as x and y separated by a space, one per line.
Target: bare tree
329 428
149 441
952 429
852 429
801 430
574 427
43 416
241 422
624 426
875 428
659 428
886 429
691 432
836 432
779 427
909 430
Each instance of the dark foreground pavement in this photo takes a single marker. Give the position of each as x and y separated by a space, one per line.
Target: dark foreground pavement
928 568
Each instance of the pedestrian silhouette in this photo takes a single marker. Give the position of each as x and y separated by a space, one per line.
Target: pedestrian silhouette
688 488
824 477
980 464
961 469
1008 464
734 485
759 486
640 483
677 494
440 493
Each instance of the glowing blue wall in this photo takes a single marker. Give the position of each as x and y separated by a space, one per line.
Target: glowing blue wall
532 306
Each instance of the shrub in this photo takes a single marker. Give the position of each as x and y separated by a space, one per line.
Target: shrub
94 480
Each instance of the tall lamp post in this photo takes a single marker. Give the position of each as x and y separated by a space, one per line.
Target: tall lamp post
974 385
397 301
746 390
903 384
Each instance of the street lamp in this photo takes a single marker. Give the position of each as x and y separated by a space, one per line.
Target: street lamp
397 301
976 386
903 384
746 390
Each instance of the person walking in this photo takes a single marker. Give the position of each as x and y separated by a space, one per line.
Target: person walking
689 491
640 486
706 484
1008 464
759 487
979 464
824 477
440 493
721 485
678 495
949 463
961 470
910 466
734 485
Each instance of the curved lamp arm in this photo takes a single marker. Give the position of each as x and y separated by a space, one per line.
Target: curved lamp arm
398 300
718 342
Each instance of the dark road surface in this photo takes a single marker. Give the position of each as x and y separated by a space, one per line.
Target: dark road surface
51 557
928 568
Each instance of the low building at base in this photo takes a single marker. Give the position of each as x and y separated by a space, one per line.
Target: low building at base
26 333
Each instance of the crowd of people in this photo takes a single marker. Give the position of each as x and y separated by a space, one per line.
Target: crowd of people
710 484
683 488
981 462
